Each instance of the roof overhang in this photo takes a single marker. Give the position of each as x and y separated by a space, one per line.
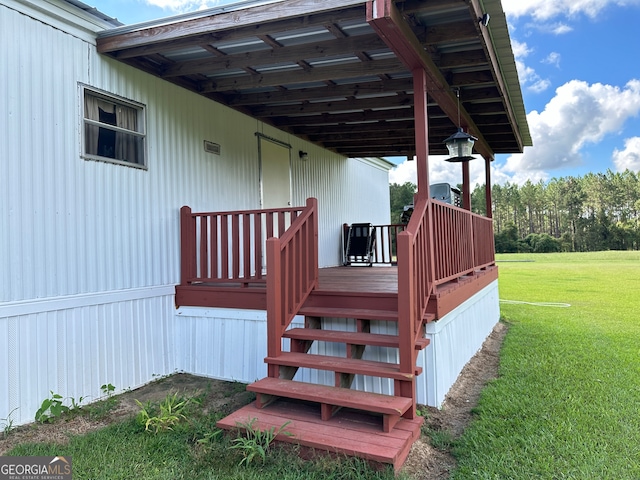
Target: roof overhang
323 71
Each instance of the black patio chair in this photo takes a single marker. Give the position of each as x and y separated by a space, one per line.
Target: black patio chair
361 242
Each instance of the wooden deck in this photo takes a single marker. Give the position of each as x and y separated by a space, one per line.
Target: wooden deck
352 433
341 287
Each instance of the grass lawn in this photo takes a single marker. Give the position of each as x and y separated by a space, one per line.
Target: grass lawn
567 402
194 449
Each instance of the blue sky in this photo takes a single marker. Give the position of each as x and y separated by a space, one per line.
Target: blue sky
579 68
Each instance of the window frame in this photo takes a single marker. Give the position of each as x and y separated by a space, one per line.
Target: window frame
117 100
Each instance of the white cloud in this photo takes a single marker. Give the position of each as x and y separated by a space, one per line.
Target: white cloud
579 114
629 158
527 75
547 9
552 59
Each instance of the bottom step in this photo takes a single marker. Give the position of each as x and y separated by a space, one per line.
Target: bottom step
349 432
389 406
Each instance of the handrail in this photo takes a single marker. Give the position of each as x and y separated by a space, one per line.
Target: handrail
228 247
292 262
415 280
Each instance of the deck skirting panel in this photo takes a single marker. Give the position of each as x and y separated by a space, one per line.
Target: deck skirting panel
454 339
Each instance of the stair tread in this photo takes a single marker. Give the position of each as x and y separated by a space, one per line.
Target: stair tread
355 338
363 313
341 365
343 397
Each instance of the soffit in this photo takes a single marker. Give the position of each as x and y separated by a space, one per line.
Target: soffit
319 71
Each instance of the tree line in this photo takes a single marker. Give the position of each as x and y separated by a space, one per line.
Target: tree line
598 211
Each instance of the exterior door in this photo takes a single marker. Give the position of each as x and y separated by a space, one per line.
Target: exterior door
275 185
275 174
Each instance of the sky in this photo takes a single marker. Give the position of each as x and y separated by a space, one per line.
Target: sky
579 68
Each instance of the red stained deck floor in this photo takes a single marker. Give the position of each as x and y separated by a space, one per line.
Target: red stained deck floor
358 287
349 432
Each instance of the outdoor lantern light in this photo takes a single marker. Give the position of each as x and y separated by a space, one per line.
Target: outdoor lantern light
460 146
304 156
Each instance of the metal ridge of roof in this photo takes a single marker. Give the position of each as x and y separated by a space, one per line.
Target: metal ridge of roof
95 12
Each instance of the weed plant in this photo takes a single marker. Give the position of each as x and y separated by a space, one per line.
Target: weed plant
567 399
192 450
253 443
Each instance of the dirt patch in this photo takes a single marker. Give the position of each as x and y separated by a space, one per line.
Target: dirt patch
221 396
424 462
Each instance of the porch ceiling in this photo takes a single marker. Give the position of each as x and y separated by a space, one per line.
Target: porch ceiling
318 70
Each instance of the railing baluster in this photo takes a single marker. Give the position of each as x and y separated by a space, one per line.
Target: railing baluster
257 244
203 247
224 247
213 247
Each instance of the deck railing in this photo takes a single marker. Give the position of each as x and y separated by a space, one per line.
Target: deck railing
441 243
415 280
463 242
292 261
483 242
385 250
228 247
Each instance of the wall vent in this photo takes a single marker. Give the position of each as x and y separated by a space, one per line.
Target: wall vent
211 147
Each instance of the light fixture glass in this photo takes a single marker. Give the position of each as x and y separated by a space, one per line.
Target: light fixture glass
460 144
304 156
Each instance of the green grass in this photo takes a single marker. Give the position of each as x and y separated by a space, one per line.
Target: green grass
566 404
189 451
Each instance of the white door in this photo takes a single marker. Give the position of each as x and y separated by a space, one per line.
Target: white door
275 183
275 174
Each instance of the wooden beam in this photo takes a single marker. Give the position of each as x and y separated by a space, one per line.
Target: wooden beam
367 142
451 32
385 18
350 129
330 91
356 117
389 101
291 54
432 6
464 59
318 74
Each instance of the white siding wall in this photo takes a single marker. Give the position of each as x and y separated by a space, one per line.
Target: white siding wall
91 249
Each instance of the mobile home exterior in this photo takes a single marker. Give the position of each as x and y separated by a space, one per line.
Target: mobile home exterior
91 246
174 197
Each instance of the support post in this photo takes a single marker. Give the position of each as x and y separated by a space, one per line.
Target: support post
421 120
275 306
187 245
466 187
487 188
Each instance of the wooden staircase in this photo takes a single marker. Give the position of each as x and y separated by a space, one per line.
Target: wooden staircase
336 417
